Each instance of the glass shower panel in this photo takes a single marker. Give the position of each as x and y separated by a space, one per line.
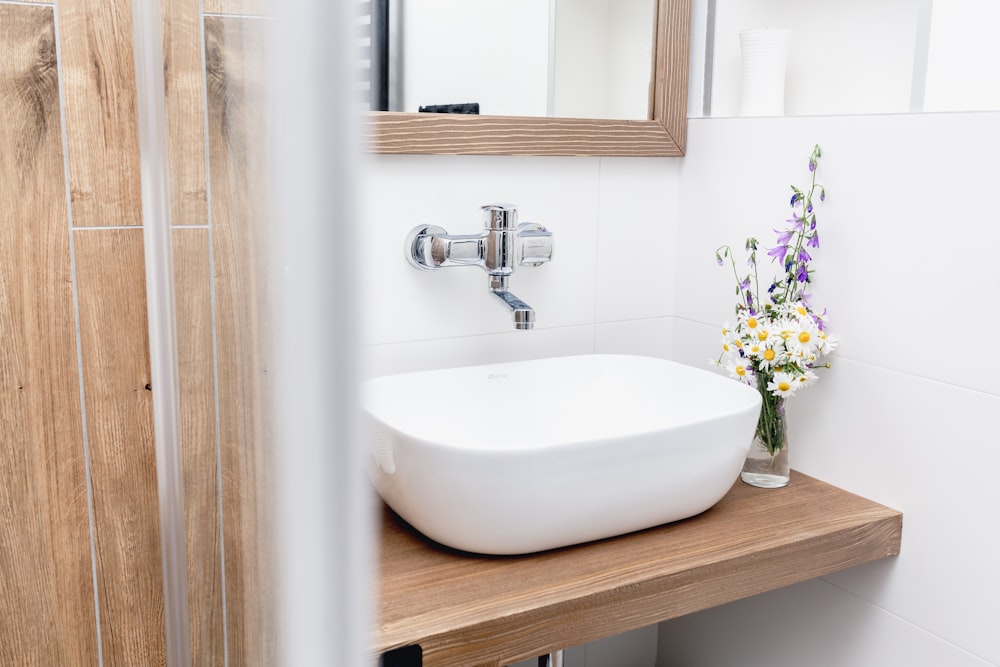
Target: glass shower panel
250 153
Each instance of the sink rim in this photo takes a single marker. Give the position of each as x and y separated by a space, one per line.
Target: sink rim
508 501
400 425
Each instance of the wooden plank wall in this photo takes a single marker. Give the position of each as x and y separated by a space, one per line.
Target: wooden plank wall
47 611
80 576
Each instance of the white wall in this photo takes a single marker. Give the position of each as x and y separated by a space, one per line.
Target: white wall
963 57
498 57
602 58
856 56
907 415
497 52
851 56
611 220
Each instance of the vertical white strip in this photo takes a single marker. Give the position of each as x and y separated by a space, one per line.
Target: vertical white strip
151 107
324 517
709 63
696 70
921 56
550 88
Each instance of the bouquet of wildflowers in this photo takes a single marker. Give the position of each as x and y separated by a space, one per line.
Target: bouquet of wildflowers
778 338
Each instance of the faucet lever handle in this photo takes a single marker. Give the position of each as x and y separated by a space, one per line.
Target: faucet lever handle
535 245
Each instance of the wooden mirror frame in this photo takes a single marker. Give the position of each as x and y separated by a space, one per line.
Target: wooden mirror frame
663 135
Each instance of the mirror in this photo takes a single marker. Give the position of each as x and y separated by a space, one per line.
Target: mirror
556 58
662 133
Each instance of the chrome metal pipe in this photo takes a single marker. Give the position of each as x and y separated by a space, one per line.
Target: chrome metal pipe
524 315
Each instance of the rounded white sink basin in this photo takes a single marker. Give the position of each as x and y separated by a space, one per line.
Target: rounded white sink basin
526 456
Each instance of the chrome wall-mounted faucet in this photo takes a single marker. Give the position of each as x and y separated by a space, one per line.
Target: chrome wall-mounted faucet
501 246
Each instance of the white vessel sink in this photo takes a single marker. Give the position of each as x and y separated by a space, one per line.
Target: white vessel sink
526 456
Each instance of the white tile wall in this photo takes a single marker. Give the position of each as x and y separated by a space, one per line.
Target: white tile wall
906 267
635 264
403 304
780 629
907 413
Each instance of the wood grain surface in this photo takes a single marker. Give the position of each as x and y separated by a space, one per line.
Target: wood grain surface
466 610
98 75
460 134
184 79
48 601
47 613
237 109
118 390
193 297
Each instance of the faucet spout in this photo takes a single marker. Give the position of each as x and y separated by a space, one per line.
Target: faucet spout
524 315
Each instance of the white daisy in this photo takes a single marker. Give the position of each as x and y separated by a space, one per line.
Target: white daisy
782 385
740 368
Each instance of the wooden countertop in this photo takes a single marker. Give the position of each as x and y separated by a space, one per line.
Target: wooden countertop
466 610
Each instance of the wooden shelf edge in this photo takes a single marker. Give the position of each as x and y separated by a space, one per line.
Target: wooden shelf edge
644 582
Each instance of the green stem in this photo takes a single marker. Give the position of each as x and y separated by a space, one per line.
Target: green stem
771 423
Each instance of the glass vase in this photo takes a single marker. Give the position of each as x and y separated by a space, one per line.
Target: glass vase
766 464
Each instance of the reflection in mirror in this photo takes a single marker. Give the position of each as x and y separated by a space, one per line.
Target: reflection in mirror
659 130
561 58
858 57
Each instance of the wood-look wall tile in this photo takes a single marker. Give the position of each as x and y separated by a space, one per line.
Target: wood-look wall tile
98 73
237 105
184 78
192 290
118 394
46 581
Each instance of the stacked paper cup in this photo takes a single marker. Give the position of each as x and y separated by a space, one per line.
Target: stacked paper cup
764 53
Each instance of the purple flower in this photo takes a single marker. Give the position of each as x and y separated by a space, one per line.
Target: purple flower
784 237
818 319
804 256
778 253
803 274
797 222
813 241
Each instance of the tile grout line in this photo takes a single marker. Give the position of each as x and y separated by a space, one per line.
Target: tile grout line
75 288
902 619
83 228
887 369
